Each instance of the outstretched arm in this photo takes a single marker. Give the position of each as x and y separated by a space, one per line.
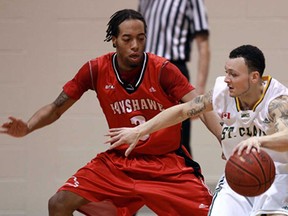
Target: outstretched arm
212 120
44 116
278 111
166 118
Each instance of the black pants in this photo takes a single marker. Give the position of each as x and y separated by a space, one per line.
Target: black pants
186 125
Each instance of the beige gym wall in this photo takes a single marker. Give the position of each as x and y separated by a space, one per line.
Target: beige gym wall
43 44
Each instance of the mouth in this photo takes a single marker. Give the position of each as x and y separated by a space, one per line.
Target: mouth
230 88
136 58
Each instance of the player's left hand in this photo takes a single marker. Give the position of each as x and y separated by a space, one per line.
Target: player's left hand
120 136
248 145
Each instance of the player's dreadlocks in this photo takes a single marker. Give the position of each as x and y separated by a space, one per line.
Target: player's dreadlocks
117 18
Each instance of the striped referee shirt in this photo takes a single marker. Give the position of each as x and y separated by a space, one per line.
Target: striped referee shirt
172 25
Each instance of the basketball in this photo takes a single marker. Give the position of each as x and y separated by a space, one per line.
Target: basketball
250 174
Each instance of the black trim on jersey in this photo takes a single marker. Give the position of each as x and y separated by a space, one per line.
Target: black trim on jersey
128 86
191 163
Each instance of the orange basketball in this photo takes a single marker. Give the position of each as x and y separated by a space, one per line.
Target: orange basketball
250 174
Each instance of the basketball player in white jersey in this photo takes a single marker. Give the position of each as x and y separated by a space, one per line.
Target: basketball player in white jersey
254 114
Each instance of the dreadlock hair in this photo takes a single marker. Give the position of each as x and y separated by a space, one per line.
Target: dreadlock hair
117 18
253 56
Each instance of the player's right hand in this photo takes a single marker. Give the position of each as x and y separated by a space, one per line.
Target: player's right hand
248 145
15 127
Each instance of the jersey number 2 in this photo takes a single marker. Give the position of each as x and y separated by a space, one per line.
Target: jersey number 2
137 120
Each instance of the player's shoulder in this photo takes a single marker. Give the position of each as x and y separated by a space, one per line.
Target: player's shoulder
276 91
278 107
106 56
220 84
155 57
156 60
220 79
282 99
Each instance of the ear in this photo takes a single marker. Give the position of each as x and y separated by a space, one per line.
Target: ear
114 42
255 76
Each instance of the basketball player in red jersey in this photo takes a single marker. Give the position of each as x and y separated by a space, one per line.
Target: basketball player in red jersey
132 87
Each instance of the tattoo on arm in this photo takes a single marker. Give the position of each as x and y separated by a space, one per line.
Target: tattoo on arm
278 110
208 97
201 104
61 99
197 106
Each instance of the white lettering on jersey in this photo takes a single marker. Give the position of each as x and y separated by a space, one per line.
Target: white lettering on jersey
75 182
128 105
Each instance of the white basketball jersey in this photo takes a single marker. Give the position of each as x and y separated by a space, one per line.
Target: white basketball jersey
238 124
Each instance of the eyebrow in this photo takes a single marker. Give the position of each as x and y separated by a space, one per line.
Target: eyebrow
128 35
231 70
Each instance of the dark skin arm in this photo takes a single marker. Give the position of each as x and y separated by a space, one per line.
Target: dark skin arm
44 116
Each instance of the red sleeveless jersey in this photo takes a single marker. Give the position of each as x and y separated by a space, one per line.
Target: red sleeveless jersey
130 105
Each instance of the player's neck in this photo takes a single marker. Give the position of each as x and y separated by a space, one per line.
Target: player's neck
248 101
124 69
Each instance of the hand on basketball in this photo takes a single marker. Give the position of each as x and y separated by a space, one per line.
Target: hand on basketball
120 136
15 127
248 145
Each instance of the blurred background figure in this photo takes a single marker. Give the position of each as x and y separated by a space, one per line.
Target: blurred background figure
173 25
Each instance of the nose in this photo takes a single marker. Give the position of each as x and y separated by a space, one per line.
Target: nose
134 45
227 78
